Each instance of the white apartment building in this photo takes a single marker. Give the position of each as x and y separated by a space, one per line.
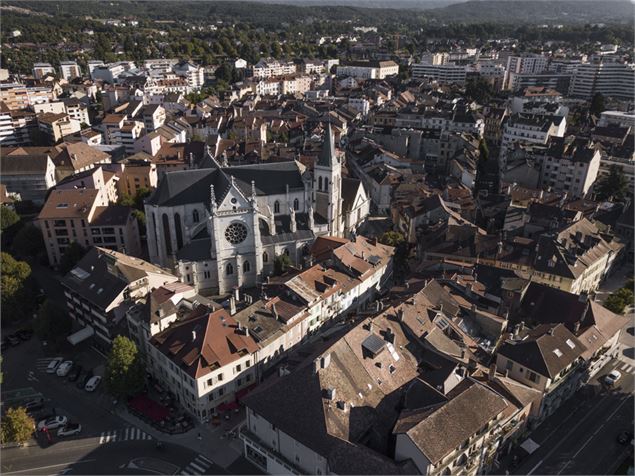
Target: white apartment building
525 64
442 73
603 75
368 69
92 64
70 70
617 118
267 68
42 69
530 129
360 104
570 166
160 66
111 72
195 75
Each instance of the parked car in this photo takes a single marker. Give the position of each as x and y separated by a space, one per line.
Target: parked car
25 334
75 373
53 422
64 368
613 377
13 339
625 437
70 429
53 365
93 383
34 405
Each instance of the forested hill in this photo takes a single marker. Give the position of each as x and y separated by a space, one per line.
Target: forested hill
536 11
490 11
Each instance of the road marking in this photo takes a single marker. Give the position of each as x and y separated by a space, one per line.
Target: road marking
196 467
70 463
204 459
597 430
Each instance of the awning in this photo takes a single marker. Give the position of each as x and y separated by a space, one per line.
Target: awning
228 406
530 445
80 335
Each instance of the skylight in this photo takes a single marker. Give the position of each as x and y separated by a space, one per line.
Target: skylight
570 343
557 352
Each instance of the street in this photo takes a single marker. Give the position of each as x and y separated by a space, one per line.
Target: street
88 456
581 436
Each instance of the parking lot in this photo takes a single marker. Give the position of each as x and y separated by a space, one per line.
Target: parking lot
25 367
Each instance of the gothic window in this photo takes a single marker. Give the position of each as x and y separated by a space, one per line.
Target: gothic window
326 184
296 204
166 233
246 267
179 232
320 183
265 257
195 216
229 269
236 233
276 207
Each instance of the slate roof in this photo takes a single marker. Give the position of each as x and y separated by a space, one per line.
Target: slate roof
443 428
537 349
328 155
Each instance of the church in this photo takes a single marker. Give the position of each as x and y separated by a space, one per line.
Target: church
221 227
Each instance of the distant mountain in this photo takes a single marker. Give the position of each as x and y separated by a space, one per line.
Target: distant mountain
536 11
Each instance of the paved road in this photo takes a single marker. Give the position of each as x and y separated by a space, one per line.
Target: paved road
87 456
580 438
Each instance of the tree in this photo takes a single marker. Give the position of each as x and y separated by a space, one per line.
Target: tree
613 186
479 90
17 426
8 217
15 288
52 324
618 301
124 370
402 250
281 263
71 257
28 241
597 104
391 238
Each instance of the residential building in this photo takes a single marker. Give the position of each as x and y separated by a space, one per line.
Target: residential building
441 73
86 216
524 64
268 67
604 75
192 73
56 127
368 69
102 287
42 69
531 129
70 70
31 176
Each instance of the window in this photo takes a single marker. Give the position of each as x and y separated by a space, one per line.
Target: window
509 365
296 204
221 391
206 274
195 216
210 382
265 257
532 376
238 368
247 364
220 377
276 207
246 267
229 269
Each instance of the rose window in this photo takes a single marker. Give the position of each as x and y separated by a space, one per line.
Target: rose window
236 233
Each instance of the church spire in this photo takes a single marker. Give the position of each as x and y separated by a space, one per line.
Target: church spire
328 156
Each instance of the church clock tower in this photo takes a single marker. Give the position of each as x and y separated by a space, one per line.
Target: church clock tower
327 185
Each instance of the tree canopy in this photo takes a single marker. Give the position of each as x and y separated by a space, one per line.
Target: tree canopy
613 186
28 241
17 426
53 324
124 370
15 288
8 217
281 263
74 253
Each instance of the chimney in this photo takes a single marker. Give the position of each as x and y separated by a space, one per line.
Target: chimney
370 326
325 360
492 372
237 294
246 331
232 306
400 315
274 310
576 327
389 336
193 336
550 331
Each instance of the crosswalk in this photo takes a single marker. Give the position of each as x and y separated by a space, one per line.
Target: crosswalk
624 367
199 465
124 434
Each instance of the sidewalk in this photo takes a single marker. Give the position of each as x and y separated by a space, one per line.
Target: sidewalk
212 444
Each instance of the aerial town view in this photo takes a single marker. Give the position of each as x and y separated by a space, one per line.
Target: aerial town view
315 237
